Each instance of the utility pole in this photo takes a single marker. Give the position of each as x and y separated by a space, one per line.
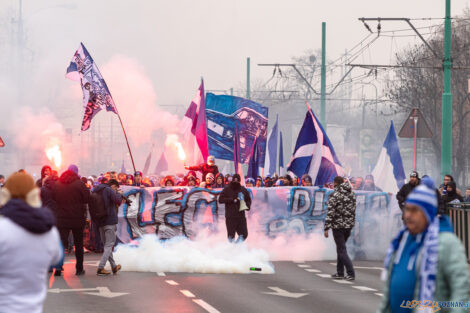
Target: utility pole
446 126
248 78
323 75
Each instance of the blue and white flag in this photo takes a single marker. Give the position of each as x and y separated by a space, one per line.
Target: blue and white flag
388 173
253 164
96 95
271 151
281 156
314 153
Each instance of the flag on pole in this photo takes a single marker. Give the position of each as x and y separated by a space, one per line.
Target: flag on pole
96 95
314 153
388 173
162 165
253 164
147 163
236 156
271 151
282 171
123 168
194 127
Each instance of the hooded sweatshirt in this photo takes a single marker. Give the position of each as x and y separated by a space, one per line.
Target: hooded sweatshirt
29 245
341 208
112 200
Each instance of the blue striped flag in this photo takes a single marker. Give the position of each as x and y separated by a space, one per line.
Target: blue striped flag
281 156
388 173
271 151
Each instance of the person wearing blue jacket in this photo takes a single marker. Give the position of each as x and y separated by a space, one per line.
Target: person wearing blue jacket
426 262
112 199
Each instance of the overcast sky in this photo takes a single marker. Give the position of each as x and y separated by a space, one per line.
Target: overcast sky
179 41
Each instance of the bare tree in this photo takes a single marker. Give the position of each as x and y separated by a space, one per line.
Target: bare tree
419 83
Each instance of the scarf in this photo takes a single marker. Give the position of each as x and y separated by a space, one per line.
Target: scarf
429 245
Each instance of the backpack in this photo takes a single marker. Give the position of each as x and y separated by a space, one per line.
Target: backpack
97 208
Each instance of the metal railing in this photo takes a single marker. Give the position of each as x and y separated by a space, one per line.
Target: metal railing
459 214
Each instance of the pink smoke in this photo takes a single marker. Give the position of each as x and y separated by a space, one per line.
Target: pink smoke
136 100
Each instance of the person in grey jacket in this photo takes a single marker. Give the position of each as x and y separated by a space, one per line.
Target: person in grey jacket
426 263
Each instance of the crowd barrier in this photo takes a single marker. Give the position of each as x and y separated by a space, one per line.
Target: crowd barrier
459 216
182 211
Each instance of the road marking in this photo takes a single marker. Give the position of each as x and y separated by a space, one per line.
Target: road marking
342 281
171 282
363 288
311 270
284 293
161 274
188 293
206 306
365 267
303 265
98 291
324 275
379 294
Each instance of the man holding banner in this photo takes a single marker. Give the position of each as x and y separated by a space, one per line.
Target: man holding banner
237 200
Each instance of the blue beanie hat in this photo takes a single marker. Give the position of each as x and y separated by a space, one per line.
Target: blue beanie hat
73 168
424 196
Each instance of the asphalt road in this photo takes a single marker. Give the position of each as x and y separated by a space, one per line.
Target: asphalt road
295 287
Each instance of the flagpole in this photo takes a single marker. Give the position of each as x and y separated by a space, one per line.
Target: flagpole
127 141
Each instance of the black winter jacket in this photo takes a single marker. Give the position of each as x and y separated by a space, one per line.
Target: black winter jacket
403 193
71 196
47 194
229 194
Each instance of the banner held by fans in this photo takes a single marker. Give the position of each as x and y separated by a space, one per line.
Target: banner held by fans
222 114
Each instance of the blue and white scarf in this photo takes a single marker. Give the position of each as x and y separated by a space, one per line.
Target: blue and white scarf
428 266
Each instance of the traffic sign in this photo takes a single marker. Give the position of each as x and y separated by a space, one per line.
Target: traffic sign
408 129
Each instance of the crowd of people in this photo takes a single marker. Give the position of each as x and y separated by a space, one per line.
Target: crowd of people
39 219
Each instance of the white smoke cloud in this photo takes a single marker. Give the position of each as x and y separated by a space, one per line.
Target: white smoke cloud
204 255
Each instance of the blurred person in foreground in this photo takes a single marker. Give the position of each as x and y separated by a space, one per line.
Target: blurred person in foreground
29 246
237 200
425 261
71 196
340 217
